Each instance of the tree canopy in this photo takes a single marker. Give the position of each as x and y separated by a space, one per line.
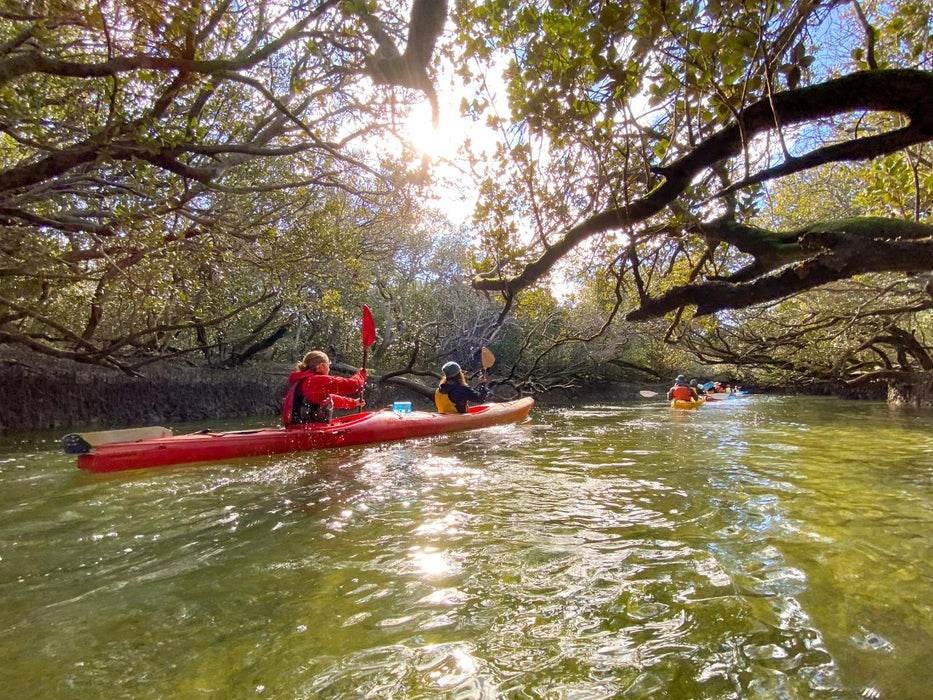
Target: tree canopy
725 109
225 178
646 139
163 165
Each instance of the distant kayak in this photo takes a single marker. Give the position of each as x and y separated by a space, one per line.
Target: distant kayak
359 429
712 398
678 403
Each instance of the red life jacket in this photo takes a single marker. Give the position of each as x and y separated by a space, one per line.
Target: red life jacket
297 410
682 393
313 397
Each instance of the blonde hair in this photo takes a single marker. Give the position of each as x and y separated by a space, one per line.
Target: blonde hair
311 360
458 378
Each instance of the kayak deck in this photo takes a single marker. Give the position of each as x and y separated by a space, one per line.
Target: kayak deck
358 429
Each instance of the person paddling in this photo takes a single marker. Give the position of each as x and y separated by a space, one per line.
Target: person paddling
313 394
453 394
681 391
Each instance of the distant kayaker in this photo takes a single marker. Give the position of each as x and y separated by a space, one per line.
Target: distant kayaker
313 394
453 394
681 391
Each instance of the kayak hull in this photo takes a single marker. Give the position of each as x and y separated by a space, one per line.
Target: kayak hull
360 429
677 403
712 398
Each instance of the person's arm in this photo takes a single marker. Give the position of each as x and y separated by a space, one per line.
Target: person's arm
345 401
459 395
346 385
465 393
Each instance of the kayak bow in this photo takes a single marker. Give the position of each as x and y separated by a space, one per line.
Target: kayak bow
359 429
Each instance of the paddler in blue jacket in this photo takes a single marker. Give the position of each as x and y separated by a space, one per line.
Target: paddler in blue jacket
453 394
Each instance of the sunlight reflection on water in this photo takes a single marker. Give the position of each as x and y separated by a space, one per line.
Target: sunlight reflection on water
608 551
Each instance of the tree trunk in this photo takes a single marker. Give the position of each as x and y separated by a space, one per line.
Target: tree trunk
917 393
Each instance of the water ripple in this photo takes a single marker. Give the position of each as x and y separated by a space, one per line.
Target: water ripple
611 550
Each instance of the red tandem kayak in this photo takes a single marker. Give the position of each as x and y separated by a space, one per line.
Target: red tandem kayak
358 429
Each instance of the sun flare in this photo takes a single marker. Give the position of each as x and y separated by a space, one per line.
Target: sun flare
422 135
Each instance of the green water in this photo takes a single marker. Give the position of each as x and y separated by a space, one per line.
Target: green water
762 548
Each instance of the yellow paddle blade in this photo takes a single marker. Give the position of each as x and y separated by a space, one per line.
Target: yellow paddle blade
487 357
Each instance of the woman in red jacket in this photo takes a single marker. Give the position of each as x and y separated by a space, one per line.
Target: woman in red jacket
313 394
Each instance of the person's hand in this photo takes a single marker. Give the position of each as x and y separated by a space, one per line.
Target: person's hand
360 403
363 374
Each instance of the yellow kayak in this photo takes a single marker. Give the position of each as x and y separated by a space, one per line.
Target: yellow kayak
678 403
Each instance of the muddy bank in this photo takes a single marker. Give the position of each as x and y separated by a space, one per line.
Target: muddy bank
59 395
49 394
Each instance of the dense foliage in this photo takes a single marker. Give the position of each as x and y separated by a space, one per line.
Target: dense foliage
648 136
220 182
186 176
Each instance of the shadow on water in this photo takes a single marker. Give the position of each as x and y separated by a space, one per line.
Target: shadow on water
765 547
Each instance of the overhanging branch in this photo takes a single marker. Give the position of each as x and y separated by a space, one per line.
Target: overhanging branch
850 257
907 92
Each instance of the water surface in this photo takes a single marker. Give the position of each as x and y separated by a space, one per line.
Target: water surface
767 547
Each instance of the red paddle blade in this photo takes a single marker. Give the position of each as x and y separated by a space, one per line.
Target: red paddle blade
369 327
